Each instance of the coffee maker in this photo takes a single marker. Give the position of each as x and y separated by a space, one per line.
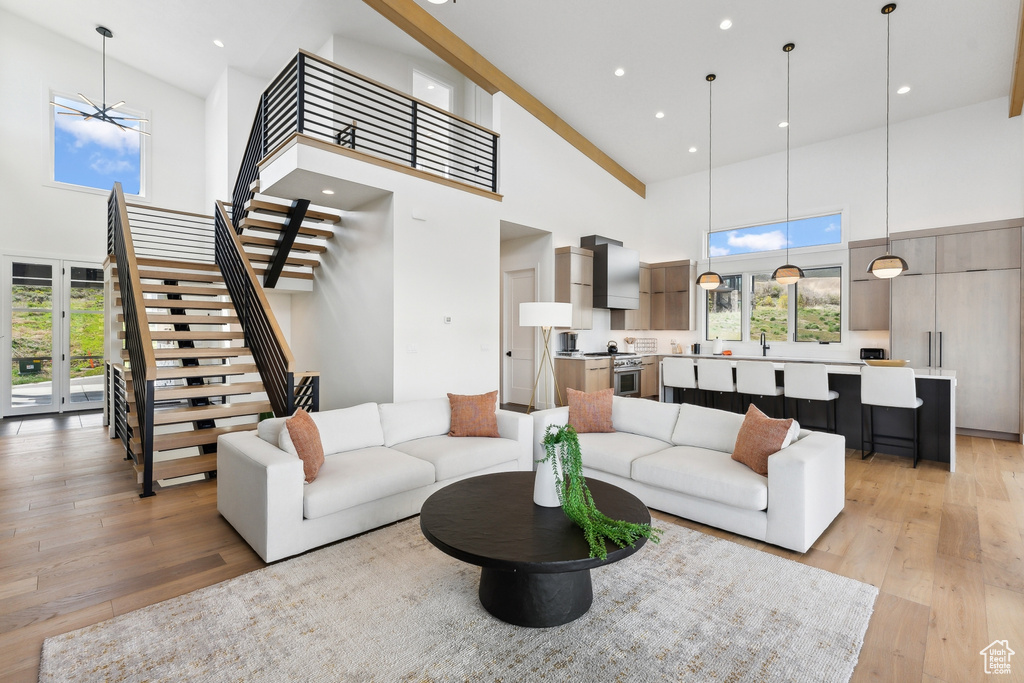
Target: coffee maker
568 342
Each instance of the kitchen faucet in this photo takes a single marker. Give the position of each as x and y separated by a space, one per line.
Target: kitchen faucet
764 345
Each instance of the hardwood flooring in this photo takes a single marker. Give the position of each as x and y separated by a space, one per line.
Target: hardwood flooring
77 546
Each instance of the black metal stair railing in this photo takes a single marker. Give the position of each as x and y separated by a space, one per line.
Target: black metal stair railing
137 338
323 100
263 336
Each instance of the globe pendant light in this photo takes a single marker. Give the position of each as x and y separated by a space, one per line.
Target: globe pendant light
709 279
787 274
887 266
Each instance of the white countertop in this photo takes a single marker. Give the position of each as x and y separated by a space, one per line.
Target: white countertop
835 367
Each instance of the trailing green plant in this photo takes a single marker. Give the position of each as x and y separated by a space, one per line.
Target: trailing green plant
562 447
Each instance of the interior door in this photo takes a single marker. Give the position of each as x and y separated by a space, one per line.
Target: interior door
519 366
31 306
913 320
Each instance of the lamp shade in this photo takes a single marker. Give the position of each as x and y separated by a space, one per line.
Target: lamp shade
788 274
887 267
545 314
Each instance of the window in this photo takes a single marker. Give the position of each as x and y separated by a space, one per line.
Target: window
93 153
818 305
725 308
769 308
803 232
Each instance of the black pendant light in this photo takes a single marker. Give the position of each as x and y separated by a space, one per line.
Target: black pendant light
888 266
787 274
709 279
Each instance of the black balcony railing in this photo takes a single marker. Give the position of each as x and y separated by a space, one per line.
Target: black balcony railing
320 99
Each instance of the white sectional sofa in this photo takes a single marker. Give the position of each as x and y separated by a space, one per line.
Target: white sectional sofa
381 462
678 458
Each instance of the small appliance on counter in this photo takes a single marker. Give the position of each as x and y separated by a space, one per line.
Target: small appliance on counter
695 349
872 354
568 342
717 347
613 347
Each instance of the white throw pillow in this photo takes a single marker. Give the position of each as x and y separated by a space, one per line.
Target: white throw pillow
644 417
348 429
707 428
270 430
410 420
792 435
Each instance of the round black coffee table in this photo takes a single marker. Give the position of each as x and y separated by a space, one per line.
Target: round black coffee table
535 562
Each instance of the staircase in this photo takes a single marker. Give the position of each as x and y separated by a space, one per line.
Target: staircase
284 238
206 382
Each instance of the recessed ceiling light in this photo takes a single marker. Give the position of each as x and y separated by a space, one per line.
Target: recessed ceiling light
218 42
692 150
726 24
430 87
660 115
327 191
784 124
904 90
620 71
438 2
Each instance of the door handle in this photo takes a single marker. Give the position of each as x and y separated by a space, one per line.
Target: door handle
929 348
508 353
940 350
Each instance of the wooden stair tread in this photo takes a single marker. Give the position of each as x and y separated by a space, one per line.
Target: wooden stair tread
196 437
279 205
179 372
168 319
177 415
183 289
271 243
182 265
179 354
291 260
193 335
256 222
207 390
186 304
285 274
178 275
180 467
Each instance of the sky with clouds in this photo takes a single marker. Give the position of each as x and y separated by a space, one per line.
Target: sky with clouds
803 232
94 153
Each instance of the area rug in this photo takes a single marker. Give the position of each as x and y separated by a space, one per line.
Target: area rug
388 606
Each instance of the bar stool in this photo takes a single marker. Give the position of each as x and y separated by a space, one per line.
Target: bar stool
887 388
756 378
678 373
715 376
809 382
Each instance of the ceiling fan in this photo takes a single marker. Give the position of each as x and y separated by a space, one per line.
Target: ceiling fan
104 113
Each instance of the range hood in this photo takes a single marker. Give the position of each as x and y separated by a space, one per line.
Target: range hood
616 273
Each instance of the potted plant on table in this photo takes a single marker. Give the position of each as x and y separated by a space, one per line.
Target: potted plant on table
562 452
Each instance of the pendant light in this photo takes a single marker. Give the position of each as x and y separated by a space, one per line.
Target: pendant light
709 279
887 266
787 274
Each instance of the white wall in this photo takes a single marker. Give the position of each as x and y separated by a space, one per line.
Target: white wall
230 109
42 218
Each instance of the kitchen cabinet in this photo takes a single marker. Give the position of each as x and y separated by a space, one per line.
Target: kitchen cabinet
649 376
639 319
869 295
591 374
670 295
958 307
574 284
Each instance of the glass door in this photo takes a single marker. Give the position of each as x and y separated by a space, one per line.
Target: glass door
32 337
83 370
53 336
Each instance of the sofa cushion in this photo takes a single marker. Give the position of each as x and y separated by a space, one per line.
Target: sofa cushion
474 415
590 412
348 429
410 420
644 417
706 428
301 437
760 437
270 430
456 457
356 477
615 452
704 473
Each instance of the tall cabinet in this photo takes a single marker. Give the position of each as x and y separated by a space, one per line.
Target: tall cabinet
670 295
640 318
574 283
869 295
958 307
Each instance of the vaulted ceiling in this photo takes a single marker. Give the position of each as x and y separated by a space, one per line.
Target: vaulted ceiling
950 53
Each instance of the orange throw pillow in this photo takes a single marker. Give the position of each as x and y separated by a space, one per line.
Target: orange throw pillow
759 437
305 438
474 415
591 412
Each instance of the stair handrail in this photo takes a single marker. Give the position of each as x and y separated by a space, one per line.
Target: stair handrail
263 335
137 338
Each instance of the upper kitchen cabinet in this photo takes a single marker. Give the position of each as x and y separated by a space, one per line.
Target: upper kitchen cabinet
670 295
918 252
639 319
574 284
869 295
983 250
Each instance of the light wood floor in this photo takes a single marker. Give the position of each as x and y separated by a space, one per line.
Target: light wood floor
78 546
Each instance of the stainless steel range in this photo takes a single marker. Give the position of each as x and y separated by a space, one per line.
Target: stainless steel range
626 368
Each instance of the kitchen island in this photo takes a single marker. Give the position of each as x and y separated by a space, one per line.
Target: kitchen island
935 386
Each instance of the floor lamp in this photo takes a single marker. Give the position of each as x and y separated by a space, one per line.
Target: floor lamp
545 315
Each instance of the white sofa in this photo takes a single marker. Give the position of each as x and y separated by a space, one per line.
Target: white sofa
381 462
678 459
